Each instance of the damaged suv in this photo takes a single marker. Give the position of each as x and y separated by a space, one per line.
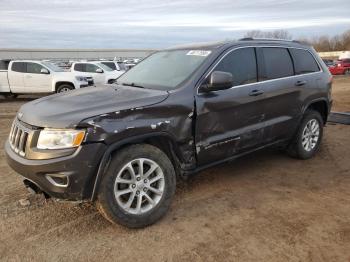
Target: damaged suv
177 112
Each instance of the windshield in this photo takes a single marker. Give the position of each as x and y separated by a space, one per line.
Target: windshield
52 67
104 67
164 70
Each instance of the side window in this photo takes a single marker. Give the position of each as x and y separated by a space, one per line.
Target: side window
4 64
111 65
241 63
18 67
79 67
91 68
304 62
277 63
34 68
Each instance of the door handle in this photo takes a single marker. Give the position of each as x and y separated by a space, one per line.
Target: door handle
256 92
300 83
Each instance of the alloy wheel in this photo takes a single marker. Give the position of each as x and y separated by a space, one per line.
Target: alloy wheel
310 135
139 186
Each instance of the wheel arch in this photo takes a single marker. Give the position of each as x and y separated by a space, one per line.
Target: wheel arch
321 106
162 140
59 83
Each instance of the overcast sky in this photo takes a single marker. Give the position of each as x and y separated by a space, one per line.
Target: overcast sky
160 23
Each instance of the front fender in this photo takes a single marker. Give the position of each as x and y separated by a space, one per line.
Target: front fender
117 145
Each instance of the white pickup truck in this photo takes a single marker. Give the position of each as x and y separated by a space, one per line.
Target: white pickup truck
100 73
27 76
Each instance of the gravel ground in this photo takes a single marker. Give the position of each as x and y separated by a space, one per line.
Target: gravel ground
262 207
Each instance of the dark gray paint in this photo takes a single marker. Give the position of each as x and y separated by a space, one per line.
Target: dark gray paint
202 128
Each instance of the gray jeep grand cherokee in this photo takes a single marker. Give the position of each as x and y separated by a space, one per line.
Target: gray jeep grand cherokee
177 112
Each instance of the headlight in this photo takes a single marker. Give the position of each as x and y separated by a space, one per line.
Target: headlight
60 138
81 78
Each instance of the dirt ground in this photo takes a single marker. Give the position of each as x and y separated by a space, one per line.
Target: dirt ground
263 207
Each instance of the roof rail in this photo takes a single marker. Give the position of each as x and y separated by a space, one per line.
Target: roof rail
267 39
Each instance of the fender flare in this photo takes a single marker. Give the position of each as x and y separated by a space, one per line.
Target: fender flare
321 99
104 163
314 101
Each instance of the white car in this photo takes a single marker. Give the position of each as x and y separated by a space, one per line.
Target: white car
100 73
115 65
28 76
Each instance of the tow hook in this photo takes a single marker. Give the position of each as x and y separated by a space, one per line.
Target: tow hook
31 187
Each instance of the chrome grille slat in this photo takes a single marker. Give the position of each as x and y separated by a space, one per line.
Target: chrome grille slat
22 141
18 137
14 136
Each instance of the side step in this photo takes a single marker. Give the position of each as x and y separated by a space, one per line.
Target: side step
339 118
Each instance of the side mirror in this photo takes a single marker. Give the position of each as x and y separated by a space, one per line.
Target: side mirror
99 70
218 81
44 71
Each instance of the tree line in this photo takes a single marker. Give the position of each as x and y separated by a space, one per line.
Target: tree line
324 43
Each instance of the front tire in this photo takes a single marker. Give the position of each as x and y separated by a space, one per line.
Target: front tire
307 140
138 186
64 88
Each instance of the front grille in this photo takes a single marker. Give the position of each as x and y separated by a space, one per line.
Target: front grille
18 138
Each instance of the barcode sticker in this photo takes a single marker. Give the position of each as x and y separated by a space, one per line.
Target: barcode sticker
199 52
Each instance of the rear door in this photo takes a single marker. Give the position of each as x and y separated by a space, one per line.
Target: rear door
231 121
34 80
282 92
15 76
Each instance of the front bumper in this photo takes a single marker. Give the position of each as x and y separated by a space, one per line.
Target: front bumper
80 169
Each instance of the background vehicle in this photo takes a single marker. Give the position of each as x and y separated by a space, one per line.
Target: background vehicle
100 73
179 111
340 67
115 65
345 64
328 62
27 76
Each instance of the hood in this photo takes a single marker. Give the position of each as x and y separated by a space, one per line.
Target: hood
68 109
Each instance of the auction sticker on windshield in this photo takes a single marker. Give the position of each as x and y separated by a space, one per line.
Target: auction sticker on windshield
199 52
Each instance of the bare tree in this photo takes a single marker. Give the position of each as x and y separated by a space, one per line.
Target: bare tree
322 43
326 43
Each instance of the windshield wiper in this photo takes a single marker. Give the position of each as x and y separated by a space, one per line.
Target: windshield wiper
132 84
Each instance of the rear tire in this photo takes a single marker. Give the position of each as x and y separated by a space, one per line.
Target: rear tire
347 72
10 95
64 88
133 195
307 140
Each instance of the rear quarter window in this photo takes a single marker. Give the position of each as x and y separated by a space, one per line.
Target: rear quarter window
304 62
275 62
18 67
